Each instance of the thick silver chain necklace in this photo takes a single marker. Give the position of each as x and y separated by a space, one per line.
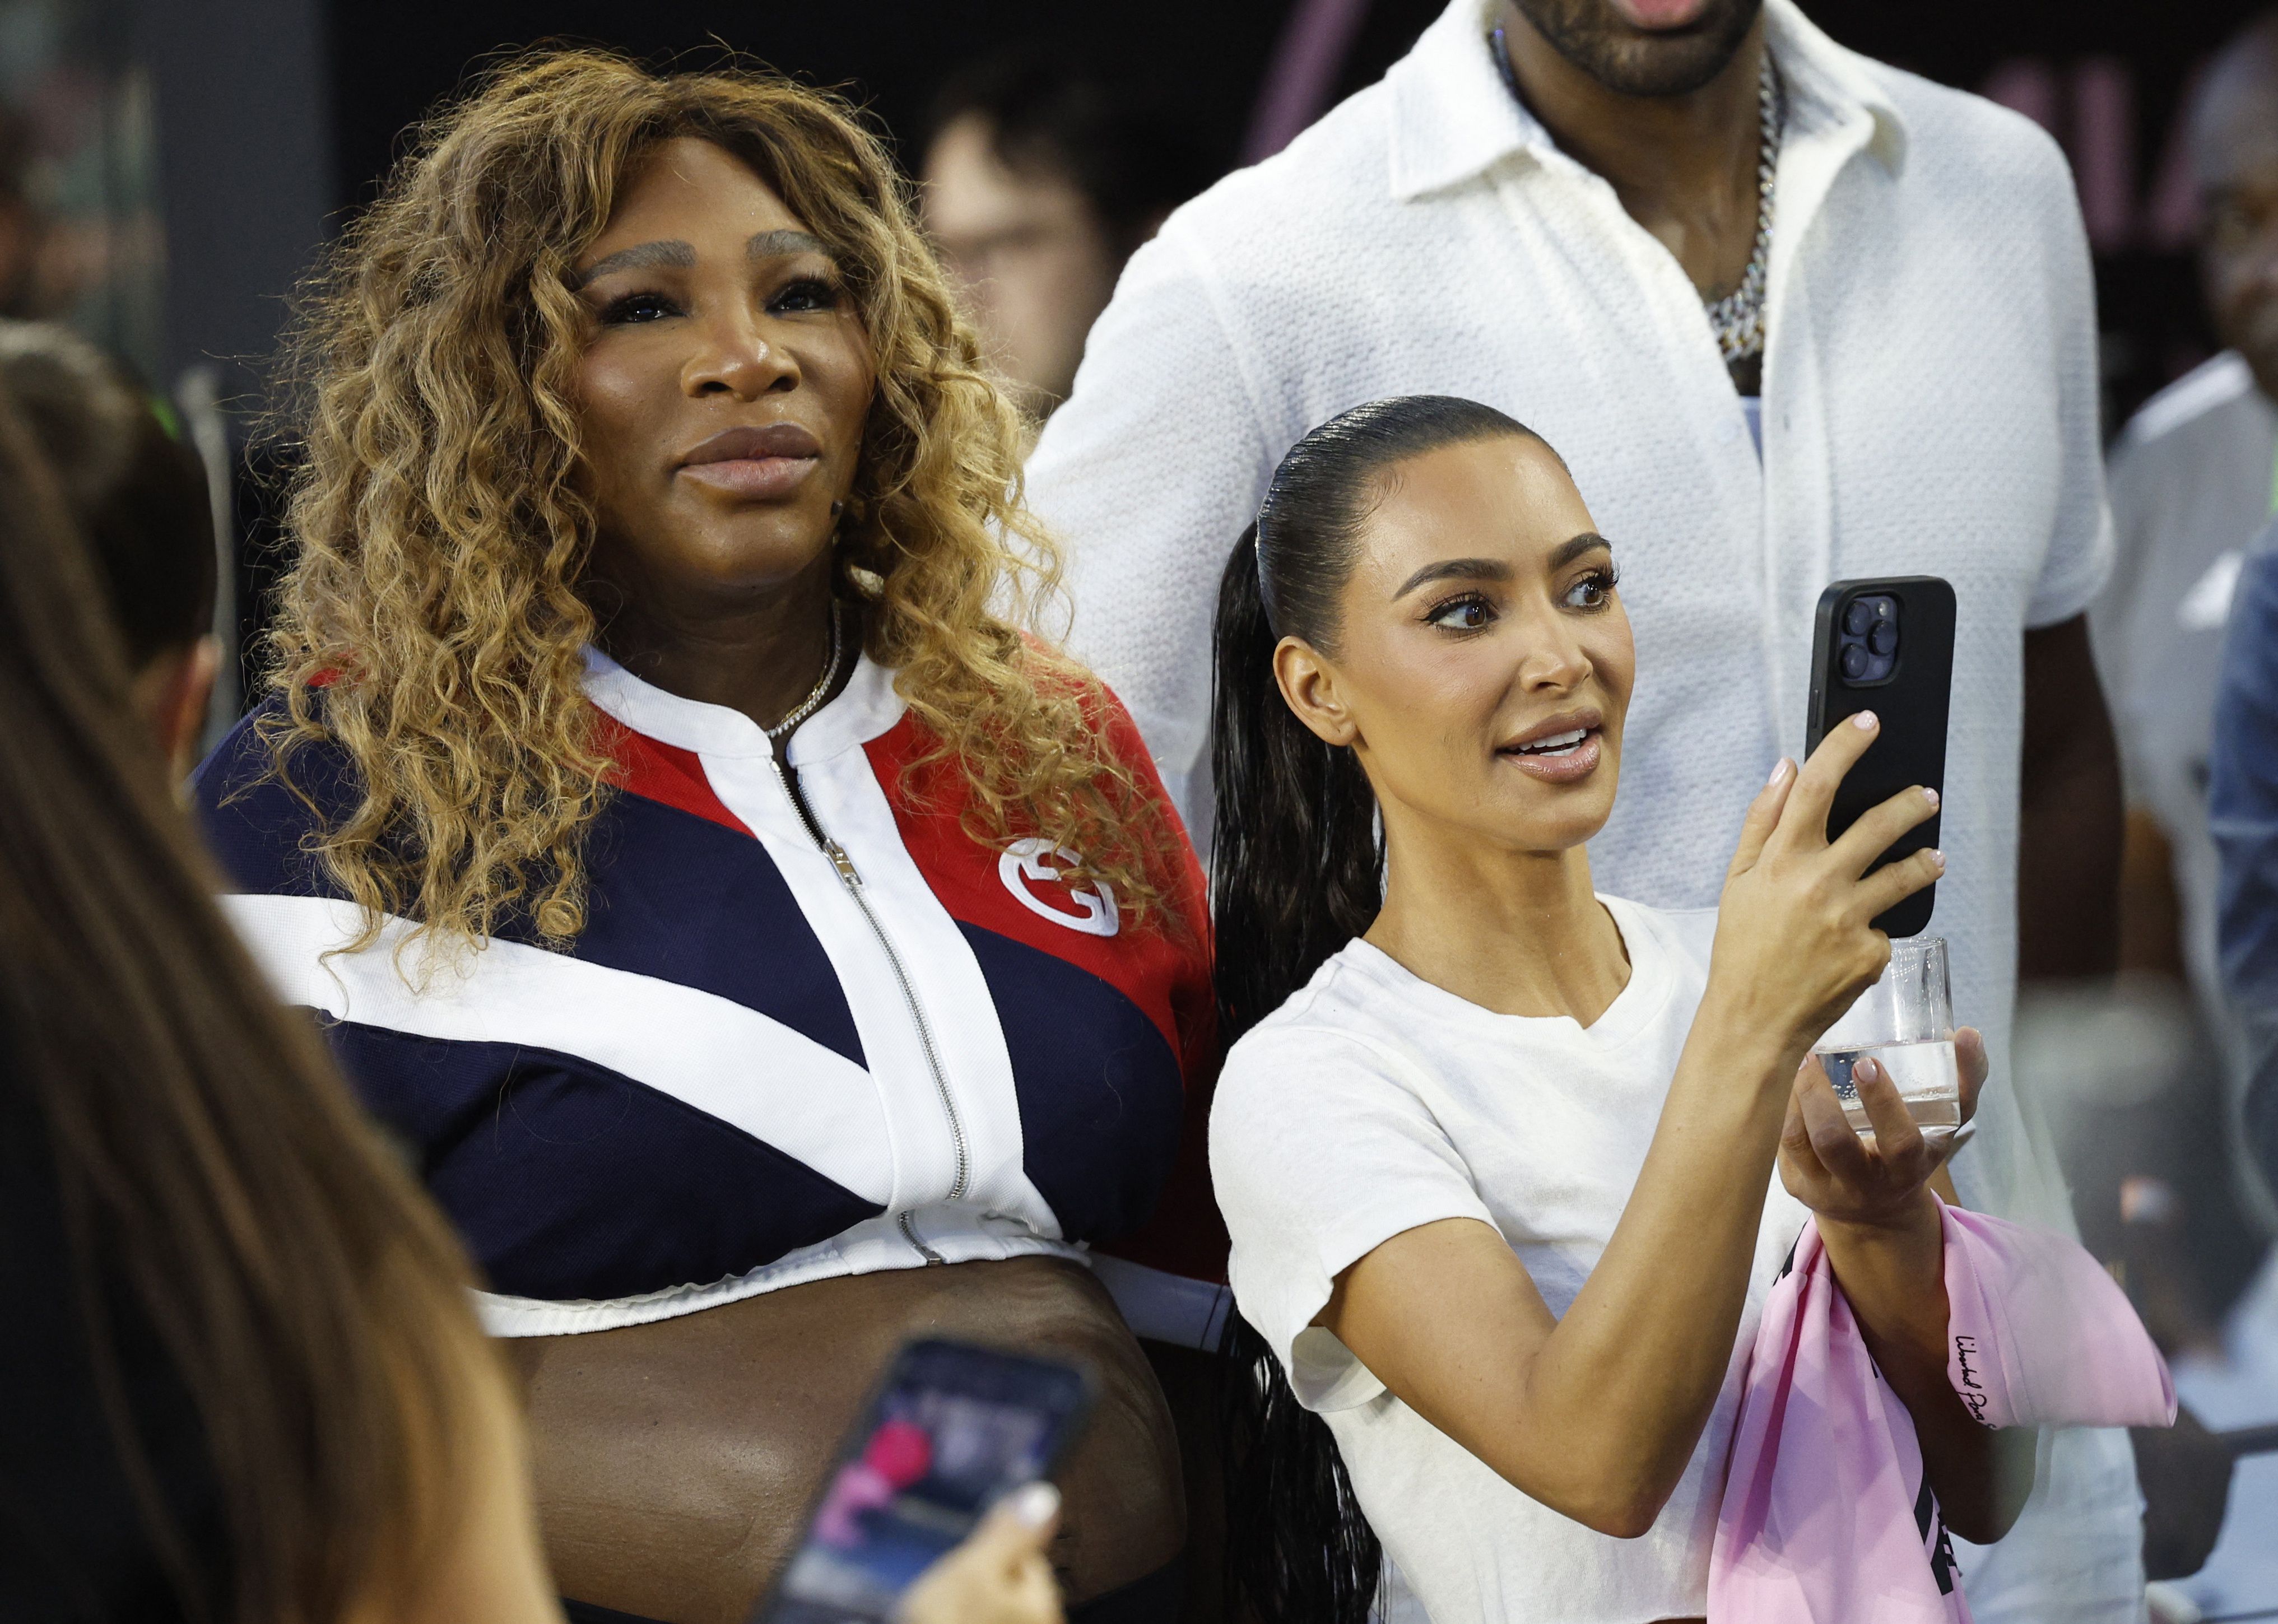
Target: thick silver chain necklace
1738 318
820 690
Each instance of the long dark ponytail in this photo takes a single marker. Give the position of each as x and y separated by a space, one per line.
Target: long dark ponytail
1296 872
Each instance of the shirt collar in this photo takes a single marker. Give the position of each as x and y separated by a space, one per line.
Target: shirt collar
1453 120
863 710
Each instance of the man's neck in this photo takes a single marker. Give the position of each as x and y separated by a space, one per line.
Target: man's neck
1684 166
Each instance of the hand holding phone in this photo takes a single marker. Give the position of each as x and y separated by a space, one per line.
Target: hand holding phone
1886 645
952 1430
1001 1574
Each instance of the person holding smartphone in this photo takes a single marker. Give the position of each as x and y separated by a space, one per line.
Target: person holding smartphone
1496 1152
1793 316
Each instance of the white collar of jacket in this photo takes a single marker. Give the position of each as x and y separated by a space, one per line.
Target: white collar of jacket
866 708
1453 120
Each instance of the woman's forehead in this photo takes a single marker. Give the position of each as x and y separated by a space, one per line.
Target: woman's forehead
1509 498
691 182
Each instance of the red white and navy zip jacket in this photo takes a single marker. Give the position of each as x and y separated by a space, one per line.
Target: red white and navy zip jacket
811 1028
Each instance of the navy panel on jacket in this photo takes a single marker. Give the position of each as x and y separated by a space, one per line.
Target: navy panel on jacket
687 900
567 1180
1100 1091
254 825
671 895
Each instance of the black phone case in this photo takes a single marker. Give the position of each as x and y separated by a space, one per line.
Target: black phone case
1912 702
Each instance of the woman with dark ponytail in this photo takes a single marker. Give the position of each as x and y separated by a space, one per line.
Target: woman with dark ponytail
1496 1152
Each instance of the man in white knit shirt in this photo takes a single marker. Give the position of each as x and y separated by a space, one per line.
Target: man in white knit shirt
1554 206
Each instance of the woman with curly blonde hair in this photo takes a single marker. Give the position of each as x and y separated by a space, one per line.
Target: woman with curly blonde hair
765 943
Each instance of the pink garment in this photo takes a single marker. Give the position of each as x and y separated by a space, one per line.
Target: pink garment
1826 1517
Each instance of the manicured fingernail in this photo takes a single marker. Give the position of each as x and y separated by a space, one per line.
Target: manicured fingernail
1863 719
1931 796
1936 858
1779 771
1034 1505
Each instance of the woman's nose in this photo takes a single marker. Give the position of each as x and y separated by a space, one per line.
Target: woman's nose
1556 660
738 359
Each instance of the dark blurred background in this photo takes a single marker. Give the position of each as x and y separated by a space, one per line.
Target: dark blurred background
278 114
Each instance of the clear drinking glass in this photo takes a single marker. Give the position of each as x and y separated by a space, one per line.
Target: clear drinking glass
1905 1021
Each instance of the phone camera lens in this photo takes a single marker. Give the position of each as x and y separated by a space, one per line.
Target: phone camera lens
1859 616
1854 660
1884 638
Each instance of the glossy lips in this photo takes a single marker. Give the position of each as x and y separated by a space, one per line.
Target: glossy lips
1560 750
755 464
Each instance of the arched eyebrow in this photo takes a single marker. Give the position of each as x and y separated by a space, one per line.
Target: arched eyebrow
1497 569
671 251
1455 569
784 244
1567 552
667 251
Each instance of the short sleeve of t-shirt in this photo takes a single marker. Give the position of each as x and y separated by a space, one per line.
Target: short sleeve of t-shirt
1320 1152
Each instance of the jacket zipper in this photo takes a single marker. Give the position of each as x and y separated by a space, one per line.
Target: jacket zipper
851 881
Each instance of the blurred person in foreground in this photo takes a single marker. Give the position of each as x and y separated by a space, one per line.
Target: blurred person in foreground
2194 477
1793 317
245 1383
767 948
210 1421
1041 177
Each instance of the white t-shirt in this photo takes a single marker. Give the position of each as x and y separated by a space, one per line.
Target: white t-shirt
1373 1102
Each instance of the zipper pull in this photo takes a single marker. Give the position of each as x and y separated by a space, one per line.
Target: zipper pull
840 861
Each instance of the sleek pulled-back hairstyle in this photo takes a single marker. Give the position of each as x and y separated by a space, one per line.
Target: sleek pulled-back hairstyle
1296 859
1296 872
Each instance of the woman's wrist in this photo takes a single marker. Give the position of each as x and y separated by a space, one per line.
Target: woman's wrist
1745 1042
1909 1227
1892 1269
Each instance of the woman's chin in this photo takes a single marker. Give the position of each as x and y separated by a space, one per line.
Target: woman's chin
1556 817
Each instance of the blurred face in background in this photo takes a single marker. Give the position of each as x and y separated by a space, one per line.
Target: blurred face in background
1644 46
2236 151
1031 257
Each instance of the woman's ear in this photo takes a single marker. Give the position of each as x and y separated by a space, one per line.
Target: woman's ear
1309 683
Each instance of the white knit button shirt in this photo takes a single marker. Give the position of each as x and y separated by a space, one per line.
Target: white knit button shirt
1930 408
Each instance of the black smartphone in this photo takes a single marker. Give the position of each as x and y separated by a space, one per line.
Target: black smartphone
952 1430
1886 646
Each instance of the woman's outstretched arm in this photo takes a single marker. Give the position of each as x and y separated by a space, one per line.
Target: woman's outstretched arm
1879 1218
1596 1414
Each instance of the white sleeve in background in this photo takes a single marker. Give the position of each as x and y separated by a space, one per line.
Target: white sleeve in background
1147 476
2081 550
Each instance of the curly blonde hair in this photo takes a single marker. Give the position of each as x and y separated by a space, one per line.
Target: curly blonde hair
435 597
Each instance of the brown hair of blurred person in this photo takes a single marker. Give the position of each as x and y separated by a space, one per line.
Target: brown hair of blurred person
440 592
2235 158
137 496
214 1175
